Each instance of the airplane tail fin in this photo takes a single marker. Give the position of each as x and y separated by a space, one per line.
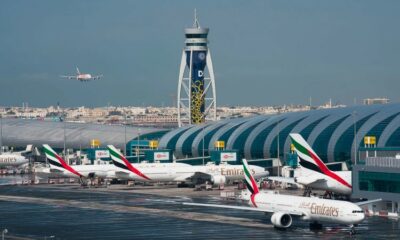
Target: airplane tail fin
308 159
250 181
29 148
77 71
120 161
56 161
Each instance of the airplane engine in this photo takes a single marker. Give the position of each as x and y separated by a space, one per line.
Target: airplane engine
218 179
281 220
92 175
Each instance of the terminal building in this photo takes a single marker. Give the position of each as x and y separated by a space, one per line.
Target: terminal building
377 175
336 135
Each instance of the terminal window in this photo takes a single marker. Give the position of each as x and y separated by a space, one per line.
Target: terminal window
379 182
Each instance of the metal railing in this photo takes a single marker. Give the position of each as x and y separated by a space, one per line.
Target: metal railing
382 162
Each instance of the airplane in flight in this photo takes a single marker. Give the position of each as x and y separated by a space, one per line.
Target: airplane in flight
180 172
146 172
15 159
313 173
83 77
286 207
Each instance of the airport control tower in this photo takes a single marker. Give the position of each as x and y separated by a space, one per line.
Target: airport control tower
196 87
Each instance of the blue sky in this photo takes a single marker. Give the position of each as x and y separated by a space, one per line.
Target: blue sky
264 52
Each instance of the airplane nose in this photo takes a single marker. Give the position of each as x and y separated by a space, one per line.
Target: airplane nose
362 217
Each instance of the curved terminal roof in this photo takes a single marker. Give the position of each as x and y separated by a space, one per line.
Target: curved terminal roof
329 131
20 132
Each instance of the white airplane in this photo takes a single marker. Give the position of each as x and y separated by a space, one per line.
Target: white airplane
148 172
60 168
83 77
14 159
180 172
313 173
286 207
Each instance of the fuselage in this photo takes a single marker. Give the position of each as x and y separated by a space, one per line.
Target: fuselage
312 208
84 76
331 184
173 172
161 171
12 160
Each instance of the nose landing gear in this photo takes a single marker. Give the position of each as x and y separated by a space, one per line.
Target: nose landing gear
352 230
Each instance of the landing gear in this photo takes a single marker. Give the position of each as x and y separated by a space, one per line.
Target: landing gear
328 195
83 182
307 192
315 226
352 230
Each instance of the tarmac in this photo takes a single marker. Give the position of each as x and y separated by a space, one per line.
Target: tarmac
68 211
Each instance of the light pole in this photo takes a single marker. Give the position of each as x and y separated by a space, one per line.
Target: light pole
65 136
278 146
5 231
355 136
1 133
137 146
125 133
202 131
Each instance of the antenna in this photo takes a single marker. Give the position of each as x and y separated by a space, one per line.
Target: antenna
196 23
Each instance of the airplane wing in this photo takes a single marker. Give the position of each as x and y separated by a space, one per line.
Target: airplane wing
69 77
54 170
282 179
121 174
183 178
310 180
368 202
97 77
295 213
193 176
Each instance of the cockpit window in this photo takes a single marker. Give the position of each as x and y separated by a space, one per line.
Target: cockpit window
358 211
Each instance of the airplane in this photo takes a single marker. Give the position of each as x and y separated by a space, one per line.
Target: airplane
14 159
313 173
180 172
286 207
60 168
83 77
146 172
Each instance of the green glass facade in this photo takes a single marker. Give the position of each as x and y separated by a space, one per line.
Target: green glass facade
379 182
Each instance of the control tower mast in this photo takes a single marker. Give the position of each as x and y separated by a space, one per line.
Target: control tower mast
196 87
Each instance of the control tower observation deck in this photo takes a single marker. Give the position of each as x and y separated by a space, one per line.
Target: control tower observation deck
196 88
196 37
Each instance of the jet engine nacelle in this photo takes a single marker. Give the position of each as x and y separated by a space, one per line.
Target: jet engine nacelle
281 220
218 179
92 175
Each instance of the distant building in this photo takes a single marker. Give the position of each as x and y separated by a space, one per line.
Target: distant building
371 101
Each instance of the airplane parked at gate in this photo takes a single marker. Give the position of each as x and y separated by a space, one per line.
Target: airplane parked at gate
179 172
313 173
153 172
15 159
286 207
83 77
